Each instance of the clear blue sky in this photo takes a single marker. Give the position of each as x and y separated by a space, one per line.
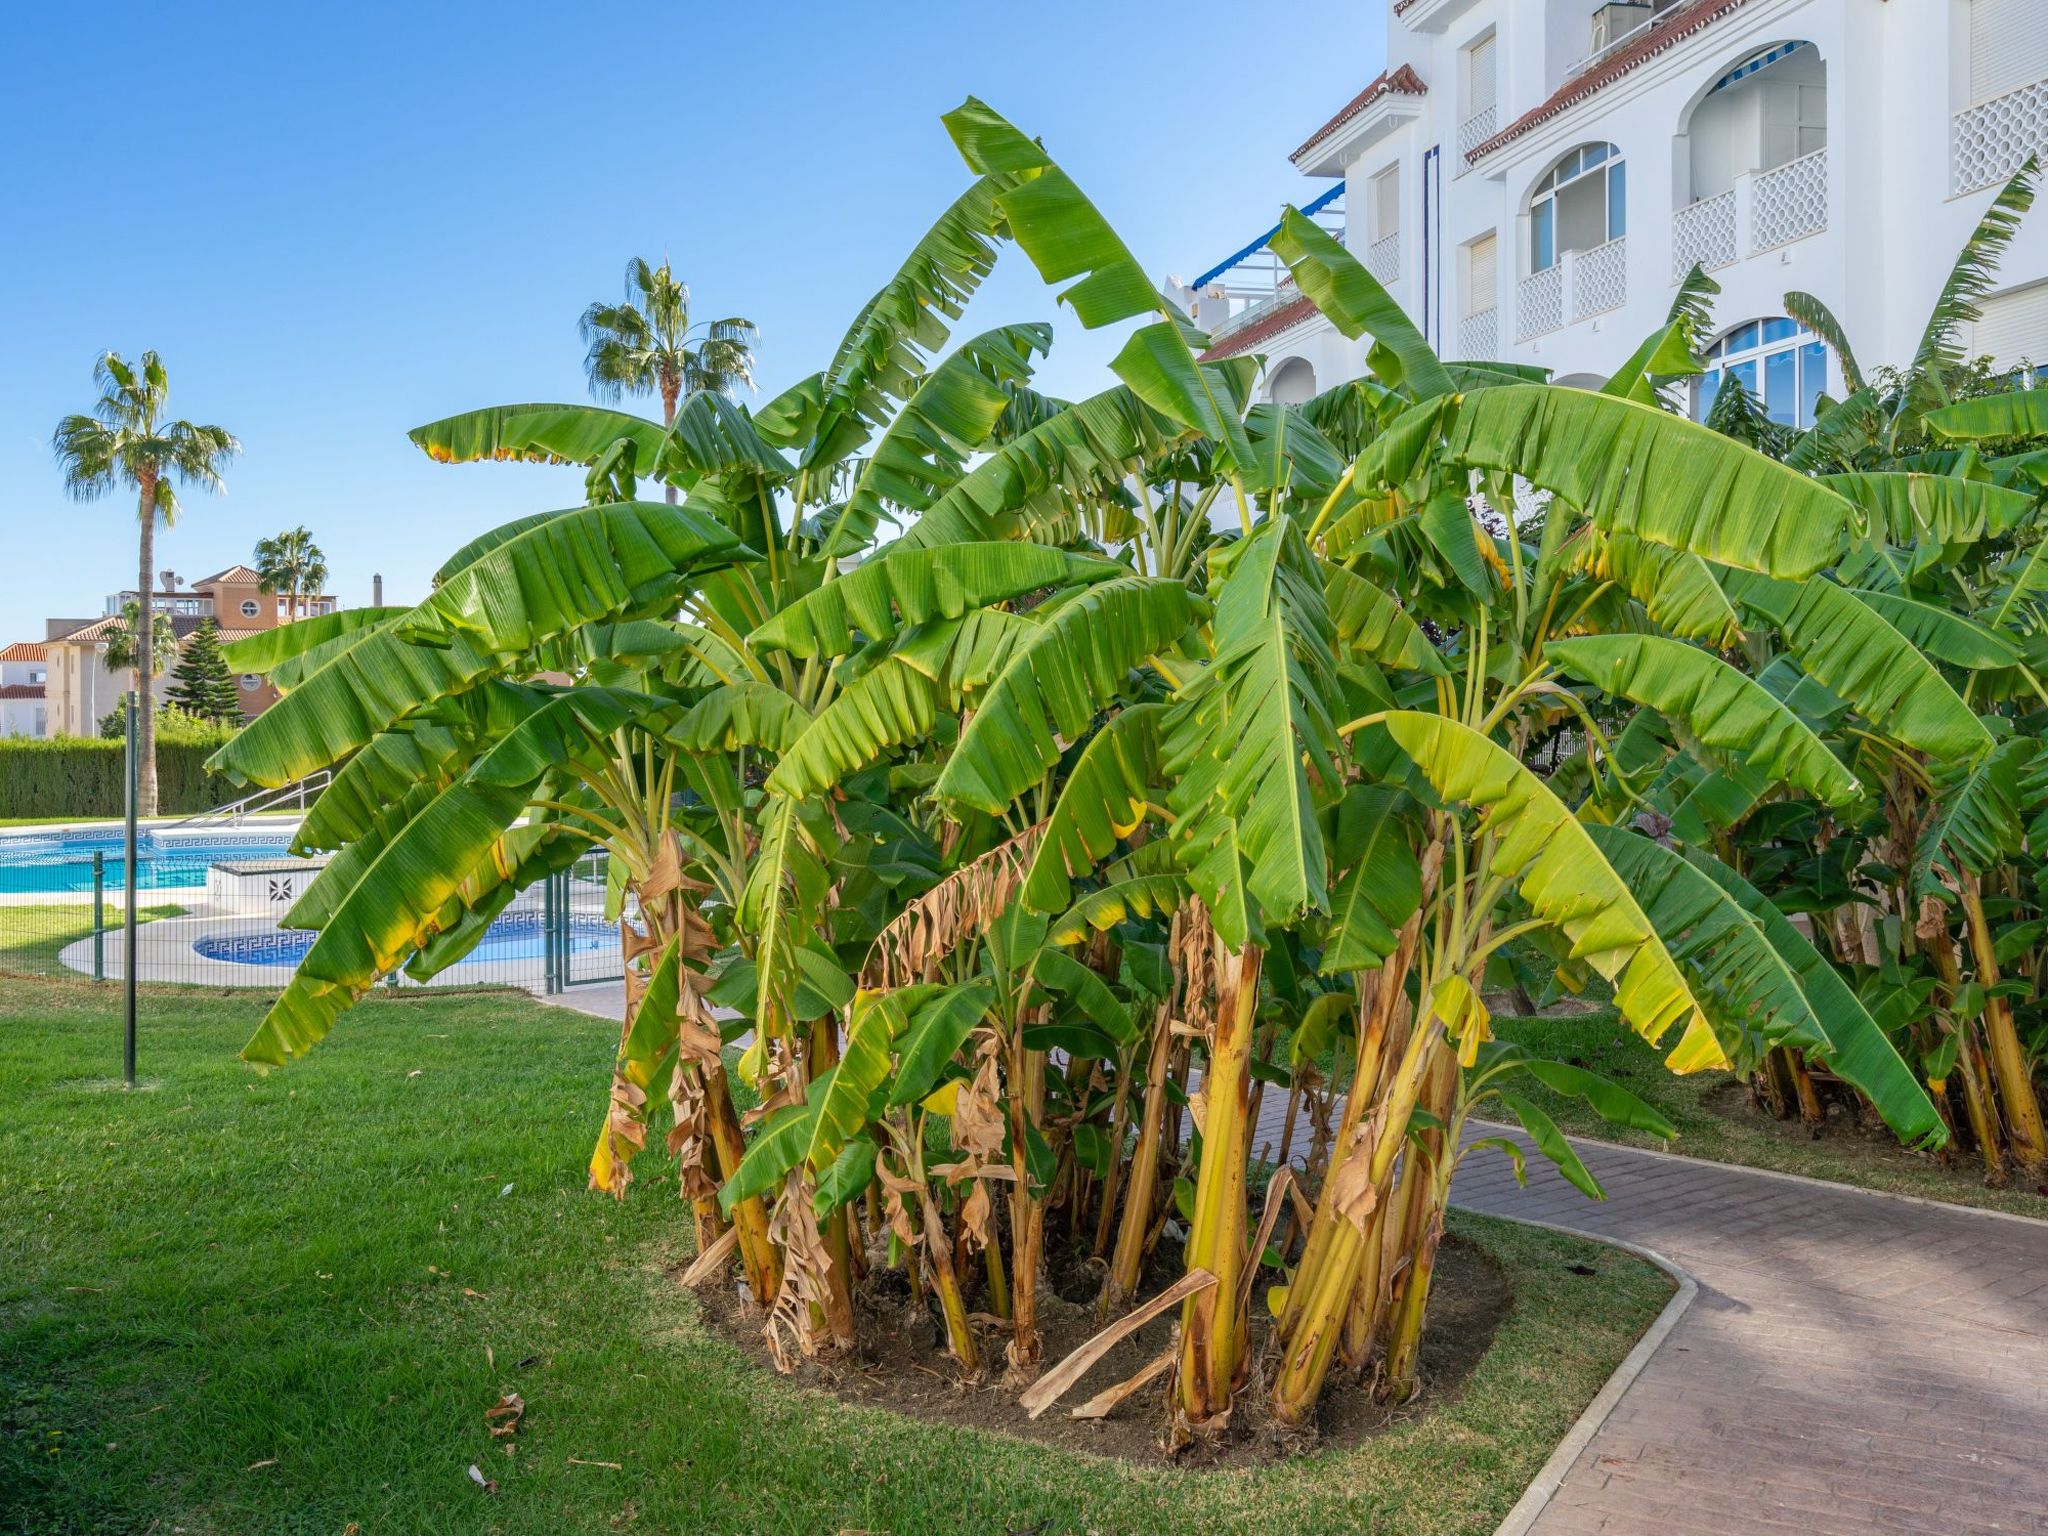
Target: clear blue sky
336 222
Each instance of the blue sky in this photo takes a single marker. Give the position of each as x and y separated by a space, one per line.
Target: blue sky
337 222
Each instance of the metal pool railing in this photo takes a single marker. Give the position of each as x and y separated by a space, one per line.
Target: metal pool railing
210 912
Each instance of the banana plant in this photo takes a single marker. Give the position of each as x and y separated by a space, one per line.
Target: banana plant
1036 783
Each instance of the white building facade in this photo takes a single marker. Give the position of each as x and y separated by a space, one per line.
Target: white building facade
1532 178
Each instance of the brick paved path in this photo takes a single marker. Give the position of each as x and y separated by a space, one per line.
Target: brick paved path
1852 1363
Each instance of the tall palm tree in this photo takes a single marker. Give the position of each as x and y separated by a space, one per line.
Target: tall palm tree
293 564
125 440
643 344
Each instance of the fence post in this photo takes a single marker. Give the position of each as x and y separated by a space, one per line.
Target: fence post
99 914
128 917
547 936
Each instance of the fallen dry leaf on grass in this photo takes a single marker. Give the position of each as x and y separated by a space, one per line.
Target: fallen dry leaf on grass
504 1418
253 1466
577 1461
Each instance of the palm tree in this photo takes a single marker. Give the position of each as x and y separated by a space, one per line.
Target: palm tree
293 564
643 344
126 441
123 653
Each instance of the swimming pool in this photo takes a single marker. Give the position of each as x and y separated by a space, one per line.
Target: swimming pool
61 862
514 936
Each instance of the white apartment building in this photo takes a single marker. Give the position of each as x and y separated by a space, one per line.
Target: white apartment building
1531 179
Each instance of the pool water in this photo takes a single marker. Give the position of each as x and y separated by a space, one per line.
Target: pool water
515 936
62 862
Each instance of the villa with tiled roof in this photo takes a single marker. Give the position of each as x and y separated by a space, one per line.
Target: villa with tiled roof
79 688
1531 179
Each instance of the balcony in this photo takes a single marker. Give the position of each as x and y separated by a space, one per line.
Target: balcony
1383 258
1284 294
1991 140
1582 284
1475 131
1539 303
1479 335
1760 213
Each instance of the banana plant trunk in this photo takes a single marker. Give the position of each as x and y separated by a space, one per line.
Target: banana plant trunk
2009 1064
1212 1354
1435 1159
1128 1260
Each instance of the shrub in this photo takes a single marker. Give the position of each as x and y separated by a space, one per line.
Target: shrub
86 777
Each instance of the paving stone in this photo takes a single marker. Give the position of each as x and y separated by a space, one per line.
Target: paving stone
1852 1364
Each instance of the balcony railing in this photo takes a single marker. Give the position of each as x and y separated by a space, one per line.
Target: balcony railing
1383 258
1703 235
1539 303
1475 131
1600 282
1479 335
1993 139
1285 293
1581 285
1790 202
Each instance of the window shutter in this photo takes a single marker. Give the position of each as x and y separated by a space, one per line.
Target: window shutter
1480 57
1482 289
2008 46
2015 327
1386 203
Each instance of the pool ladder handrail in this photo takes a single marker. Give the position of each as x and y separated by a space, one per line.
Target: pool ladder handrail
235 812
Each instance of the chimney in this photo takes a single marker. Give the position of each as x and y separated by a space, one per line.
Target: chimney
377 591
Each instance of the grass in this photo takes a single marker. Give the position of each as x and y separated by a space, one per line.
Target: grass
242 1303
32 937
1698 1106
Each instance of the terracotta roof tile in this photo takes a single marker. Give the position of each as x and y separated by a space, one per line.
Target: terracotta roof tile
238 574
22 691
26 650
1673 26
1403 80
1270 324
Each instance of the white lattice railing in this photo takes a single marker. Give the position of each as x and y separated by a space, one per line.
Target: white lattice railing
1790 202
1286 293
1600 281
1539 303
1479 336
1475 131
1993 139
1383 257
1703 234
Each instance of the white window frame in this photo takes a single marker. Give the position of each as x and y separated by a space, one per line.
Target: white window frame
1749 346
1584 164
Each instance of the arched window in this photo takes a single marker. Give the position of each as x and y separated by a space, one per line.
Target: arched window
1779 361
1580 203
1293 382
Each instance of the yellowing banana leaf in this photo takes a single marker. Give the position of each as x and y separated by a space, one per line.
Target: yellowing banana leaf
538 434
1564 879
1100 911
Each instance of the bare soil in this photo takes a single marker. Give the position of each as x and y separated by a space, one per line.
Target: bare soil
901 1364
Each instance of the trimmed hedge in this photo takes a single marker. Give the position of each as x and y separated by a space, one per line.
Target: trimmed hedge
84 778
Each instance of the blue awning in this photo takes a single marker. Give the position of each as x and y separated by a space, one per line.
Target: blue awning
1261 243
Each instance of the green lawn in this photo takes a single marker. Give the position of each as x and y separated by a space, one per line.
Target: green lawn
232 1303
1699 1106
32 937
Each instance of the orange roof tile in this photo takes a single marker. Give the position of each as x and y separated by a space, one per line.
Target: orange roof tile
1404 80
